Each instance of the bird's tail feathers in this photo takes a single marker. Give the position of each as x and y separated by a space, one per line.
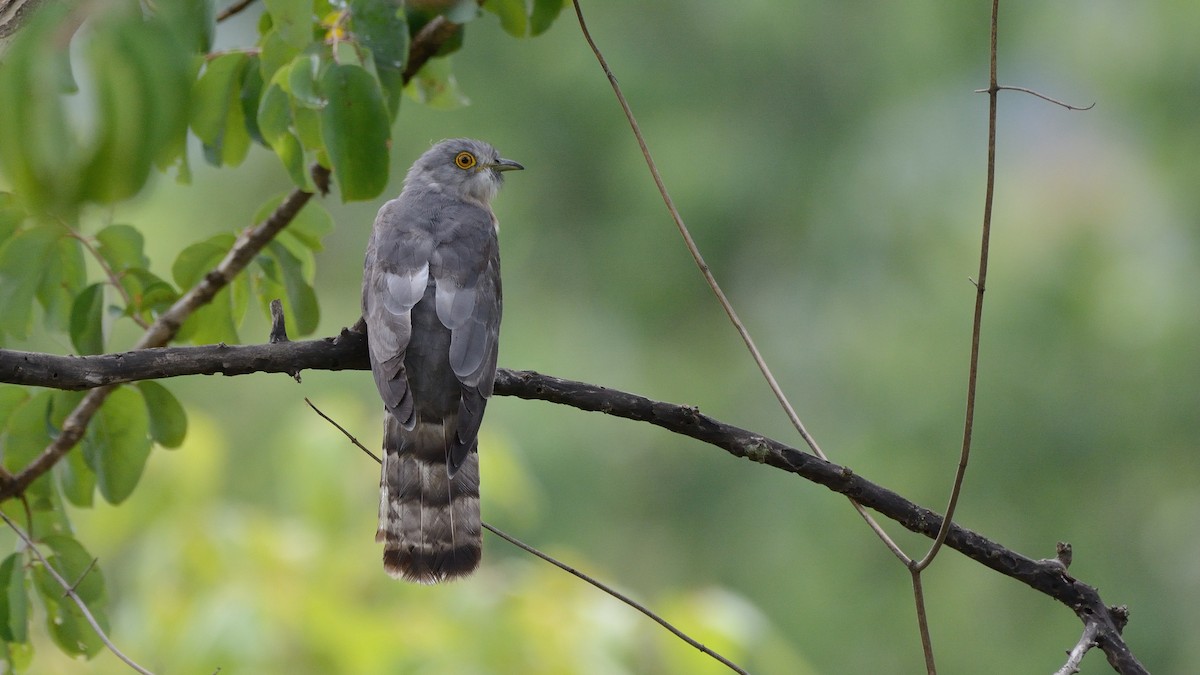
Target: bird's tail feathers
428 519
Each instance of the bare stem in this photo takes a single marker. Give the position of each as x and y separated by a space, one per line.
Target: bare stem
923 621
233 9
716 288
1044 97
565 567
112 277
69 590
980 288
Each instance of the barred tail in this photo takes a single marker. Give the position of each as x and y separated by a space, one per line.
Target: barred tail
428 519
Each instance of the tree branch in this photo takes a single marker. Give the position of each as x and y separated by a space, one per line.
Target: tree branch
347 351
164 329
13 14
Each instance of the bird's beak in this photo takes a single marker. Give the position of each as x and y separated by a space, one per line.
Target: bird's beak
506 165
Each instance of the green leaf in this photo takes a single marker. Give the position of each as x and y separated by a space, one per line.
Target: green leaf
512 15
217 322
381 28
77 481
308 127
149 295
64 620
63 276
70 630
436 87
302 81
11 215
292 20
251 94
196 260
39 153
117 443
301 300
121 246
543 15
140 77
347 53
312 224
22 260
274 54
217 116
73 563
193 22
28 435
274 122
11 397
124 153
355 127
392 82
168 420
14 600
87 326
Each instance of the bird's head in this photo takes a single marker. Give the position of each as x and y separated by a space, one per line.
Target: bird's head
464 167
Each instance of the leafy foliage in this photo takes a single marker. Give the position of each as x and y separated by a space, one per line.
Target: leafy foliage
321 86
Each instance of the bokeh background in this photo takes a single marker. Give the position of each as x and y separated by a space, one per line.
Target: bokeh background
829 159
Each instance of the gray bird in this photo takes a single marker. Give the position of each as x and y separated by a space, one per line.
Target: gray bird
431 301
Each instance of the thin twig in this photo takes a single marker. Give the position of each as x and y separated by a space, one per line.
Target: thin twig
565 567
70 592
82 575
716 288
923 621
233 9
616 594
980 283
342 429
1044 97
1075 656
113 279
980 288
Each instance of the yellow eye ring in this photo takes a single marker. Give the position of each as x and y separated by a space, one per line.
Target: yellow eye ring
464 160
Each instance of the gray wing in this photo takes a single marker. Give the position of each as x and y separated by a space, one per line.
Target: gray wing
465 265
395 274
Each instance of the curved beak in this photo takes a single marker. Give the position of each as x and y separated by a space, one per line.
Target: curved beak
506 165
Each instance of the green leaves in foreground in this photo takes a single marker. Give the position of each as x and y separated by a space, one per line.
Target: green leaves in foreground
114 449
355 104
284 270
140 78
523 19
39 263
68 627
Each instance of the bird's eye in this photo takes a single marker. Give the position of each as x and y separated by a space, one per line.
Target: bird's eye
464 160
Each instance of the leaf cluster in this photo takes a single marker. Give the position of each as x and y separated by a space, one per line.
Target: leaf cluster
320 86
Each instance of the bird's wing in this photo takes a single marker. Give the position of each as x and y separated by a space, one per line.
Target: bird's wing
395 274
466 268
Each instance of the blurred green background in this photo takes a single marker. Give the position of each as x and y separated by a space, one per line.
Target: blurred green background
829 159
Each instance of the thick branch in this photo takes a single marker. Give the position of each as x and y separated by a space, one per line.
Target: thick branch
347 351
13 14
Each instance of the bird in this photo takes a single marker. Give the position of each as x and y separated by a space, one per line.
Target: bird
431 301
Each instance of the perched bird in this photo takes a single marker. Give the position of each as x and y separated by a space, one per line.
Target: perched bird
431 301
